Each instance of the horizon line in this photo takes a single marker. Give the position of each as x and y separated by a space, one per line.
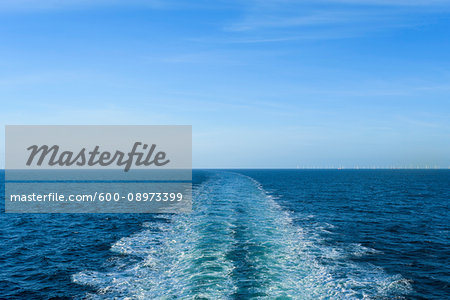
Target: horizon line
304 168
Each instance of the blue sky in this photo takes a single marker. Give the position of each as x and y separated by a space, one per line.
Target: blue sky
264 83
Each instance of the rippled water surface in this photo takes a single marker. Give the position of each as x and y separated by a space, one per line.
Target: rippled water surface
291 234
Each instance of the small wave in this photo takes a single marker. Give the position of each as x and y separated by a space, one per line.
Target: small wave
360 250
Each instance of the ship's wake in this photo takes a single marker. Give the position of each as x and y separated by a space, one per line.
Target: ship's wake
237 243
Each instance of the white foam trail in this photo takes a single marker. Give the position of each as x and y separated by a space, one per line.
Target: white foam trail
237 243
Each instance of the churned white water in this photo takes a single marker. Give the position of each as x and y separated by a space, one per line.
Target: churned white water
237 243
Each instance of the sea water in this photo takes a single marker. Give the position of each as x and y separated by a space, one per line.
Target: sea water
253 234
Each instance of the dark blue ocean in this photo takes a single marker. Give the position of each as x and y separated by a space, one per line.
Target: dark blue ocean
253 234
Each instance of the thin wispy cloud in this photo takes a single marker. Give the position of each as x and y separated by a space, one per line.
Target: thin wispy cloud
46 5
355 2
279 21
50 5
389 2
